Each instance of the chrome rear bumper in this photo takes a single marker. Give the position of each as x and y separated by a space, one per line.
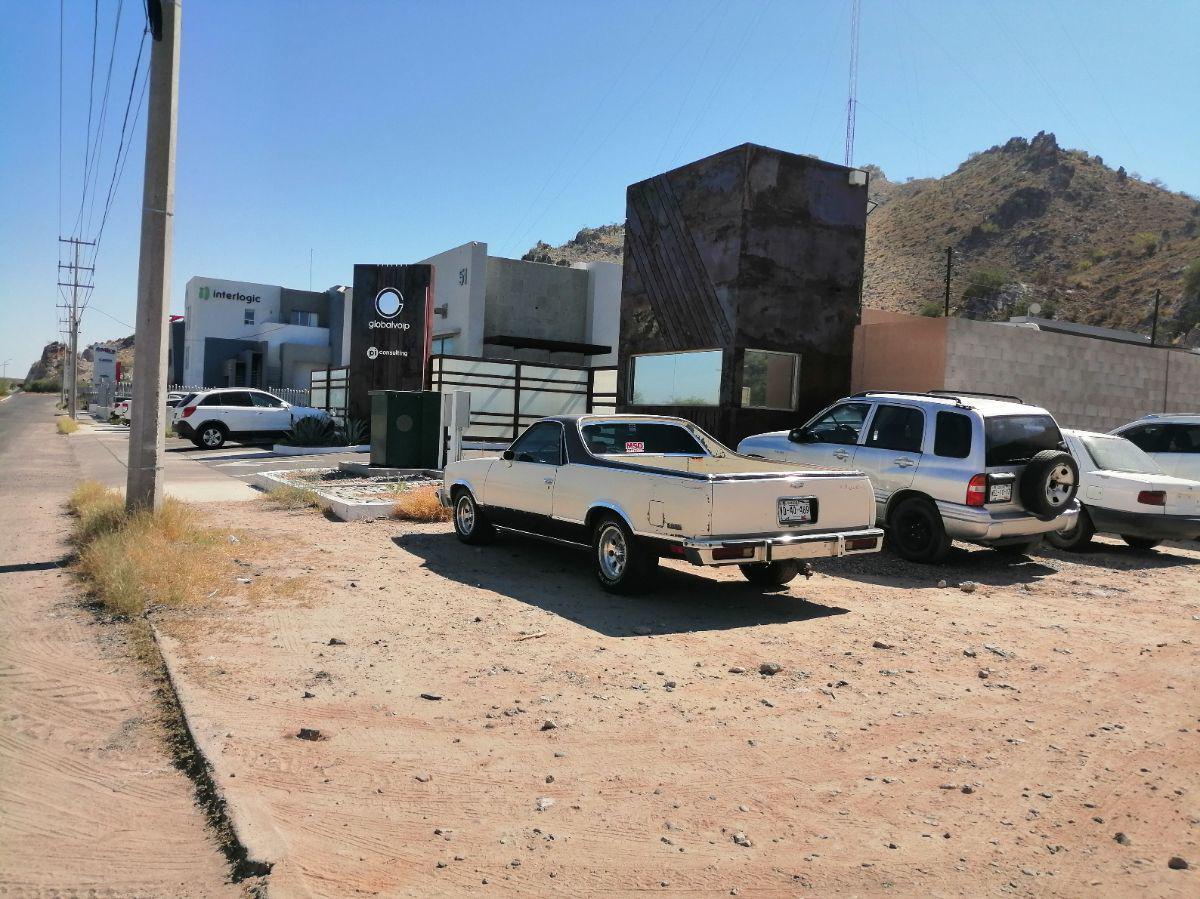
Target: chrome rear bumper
980 525
712 551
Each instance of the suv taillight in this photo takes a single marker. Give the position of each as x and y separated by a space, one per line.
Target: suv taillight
1153 497
977 490
188 411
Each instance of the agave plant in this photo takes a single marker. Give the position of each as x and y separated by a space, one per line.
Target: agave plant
356 432
312 430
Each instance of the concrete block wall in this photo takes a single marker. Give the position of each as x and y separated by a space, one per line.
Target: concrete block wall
1086 383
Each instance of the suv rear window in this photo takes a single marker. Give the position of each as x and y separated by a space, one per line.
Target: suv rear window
1015 439
640 437
953 437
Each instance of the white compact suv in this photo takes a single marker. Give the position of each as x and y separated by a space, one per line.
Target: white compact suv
1173 441
944 466
211 417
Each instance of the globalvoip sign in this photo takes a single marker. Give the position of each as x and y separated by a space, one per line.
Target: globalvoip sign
389 303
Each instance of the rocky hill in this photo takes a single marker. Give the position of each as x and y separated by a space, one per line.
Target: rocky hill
1028 221
53 359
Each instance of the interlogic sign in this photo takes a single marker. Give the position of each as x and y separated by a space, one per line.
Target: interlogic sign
207 293
389 331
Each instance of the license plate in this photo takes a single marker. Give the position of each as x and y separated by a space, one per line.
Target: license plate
1000 493
795 510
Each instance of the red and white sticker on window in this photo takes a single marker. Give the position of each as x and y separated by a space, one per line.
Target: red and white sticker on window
635 446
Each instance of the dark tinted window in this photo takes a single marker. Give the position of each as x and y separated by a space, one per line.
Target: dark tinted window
1183 438
1148 438
640 437
214 399
266 401
841 424
897 428
541 443
1015 439
953 437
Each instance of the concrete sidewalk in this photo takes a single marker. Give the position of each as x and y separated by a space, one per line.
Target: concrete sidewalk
192 475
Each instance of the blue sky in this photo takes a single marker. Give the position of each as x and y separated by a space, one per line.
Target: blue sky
388 131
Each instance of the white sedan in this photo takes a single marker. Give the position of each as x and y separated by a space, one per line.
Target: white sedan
1123 491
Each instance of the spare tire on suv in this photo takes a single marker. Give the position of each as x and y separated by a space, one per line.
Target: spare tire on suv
1049 483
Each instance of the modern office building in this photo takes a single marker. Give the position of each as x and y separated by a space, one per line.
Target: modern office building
508 308
243 334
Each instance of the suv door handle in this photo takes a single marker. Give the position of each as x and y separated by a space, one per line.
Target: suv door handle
905 463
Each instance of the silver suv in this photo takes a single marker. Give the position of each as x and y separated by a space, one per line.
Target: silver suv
945 466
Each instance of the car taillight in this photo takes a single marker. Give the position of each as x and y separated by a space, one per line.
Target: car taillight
1153 497
854 544
188 411
977 490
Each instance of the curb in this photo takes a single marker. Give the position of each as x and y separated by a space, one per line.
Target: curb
339 508
257 846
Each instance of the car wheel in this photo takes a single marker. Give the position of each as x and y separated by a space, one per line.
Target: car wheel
1144 543
770 574
1049 483
1075 538
916 533
470 524
211 436
622 563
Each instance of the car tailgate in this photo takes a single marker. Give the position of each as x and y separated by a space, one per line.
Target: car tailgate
1182 499
746 505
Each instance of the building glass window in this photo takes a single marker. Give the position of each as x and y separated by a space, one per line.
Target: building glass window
308 319
248 317
676 379
443 345
769 380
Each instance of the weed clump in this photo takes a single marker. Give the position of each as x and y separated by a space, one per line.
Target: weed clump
286 496
420 504
66 425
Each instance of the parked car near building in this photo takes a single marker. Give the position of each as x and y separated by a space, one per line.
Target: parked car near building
1123 491
944 466
120 410
211 417
635 488
1173 441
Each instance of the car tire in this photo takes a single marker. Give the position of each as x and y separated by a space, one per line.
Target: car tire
622 563
1142 543
1049 483
770 574
470 524
1076 538
211 435
916 533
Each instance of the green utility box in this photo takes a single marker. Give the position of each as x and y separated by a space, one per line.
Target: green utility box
404 428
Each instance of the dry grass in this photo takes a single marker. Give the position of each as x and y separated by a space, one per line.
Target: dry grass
66 425
289 497
147 558
420 505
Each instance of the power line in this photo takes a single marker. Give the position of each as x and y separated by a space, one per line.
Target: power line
99 155
87 149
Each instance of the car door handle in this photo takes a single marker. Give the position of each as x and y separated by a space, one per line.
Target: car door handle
841 454
547 481
905 463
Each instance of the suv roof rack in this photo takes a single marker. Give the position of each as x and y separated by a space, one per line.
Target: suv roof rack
990 396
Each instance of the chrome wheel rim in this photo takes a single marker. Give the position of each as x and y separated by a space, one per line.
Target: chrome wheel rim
613 552
211 437
464 514
1059 486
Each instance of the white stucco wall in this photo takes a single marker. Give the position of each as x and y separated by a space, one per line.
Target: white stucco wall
603 324
459 283
219 317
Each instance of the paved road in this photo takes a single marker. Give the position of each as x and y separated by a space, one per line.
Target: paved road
90 802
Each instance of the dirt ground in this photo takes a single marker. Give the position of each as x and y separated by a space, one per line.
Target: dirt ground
91 803
1038 736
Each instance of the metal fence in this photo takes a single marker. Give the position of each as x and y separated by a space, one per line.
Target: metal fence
507 395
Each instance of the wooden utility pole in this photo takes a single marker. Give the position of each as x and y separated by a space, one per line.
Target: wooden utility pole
71 363
147 419
949 266
1154 324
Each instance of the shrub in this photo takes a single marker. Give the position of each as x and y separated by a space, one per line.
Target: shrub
1144 243
44 385
420 504
984 282
1082 265
66 425
287 496
312 430
356 432
989 228
933 309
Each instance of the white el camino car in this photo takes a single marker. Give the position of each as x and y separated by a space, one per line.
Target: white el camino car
635 488
1123 491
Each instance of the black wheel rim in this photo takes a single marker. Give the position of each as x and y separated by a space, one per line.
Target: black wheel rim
914 532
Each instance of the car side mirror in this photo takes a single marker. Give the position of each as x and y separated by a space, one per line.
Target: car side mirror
507 455
799 435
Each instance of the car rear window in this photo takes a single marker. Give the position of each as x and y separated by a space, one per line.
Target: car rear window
640 437
1119 454
1015 439
953 437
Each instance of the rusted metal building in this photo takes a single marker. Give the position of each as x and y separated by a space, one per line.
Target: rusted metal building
741 289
